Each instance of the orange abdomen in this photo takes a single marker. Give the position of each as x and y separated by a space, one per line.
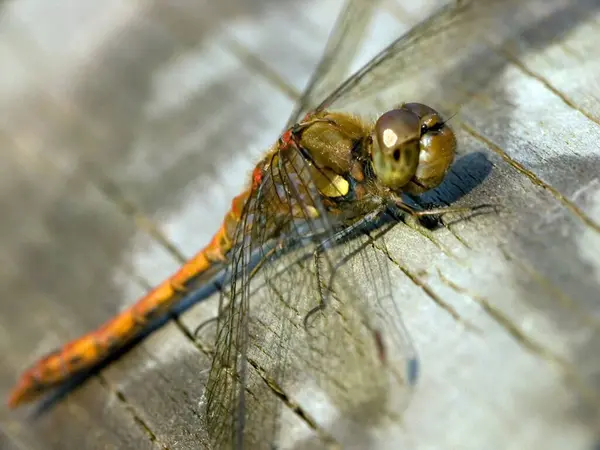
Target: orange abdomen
86 352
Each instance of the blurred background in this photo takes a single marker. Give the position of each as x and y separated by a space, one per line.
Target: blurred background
125 130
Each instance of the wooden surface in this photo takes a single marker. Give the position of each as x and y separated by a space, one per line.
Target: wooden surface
125 131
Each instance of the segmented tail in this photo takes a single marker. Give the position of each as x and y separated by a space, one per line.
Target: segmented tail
86 352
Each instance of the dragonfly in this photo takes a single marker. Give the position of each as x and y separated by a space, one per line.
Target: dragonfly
318 325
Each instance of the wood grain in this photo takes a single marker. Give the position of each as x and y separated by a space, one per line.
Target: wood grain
127 132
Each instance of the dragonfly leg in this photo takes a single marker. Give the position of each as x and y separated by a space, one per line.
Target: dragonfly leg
300 127
223 311
204 323
401 204
339 236
322 300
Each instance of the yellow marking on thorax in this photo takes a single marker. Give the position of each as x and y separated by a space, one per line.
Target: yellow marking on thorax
330 184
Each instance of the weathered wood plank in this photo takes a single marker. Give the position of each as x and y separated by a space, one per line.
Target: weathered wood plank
133 119
525 283
502 308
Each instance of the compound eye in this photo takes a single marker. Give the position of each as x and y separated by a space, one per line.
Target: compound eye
430 118
395 152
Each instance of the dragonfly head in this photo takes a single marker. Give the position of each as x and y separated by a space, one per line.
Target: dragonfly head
412 148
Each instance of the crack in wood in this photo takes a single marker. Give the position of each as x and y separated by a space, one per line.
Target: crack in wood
295 407
134 414
566 301
526 342
131 210
533 178
566 100
427 234
6 439
427 290
250 60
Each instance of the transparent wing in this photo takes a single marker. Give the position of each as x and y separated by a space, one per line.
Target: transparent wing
275 380
443 60
342 46
280 373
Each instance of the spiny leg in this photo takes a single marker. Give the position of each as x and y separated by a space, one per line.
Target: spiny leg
300 127
367 219
281 244
332 241
223 311
401 204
